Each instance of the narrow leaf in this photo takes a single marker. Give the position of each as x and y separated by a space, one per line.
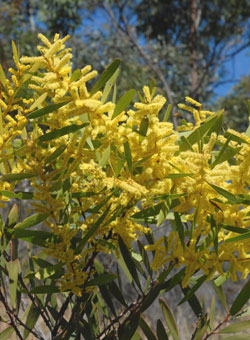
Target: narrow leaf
147 330
31 320
46 110
161 332
2 76
180 229
55 154
238 238
123 102
129 262
45 290
241 299
168 316
105 76
31 221
128 156
236 327
101 279
231 198
61 132
167 113
13 269
109 85
17 177
6 334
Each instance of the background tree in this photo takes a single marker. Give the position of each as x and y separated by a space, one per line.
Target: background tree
236 105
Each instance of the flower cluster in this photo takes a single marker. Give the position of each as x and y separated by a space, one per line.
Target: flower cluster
90 171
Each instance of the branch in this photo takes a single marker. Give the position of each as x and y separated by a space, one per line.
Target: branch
11 315
128 34
217 327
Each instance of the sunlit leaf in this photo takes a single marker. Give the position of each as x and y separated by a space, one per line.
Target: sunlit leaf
61 132
31 221
169 318
123 102
46 110
13 269
105 76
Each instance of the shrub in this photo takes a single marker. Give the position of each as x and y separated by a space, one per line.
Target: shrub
100 176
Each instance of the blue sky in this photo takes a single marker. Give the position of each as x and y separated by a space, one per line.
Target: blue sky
237 67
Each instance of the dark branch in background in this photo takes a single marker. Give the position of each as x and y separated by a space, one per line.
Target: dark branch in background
126 32
14 318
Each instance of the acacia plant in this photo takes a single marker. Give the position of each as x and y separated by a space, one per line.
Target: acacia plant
100 176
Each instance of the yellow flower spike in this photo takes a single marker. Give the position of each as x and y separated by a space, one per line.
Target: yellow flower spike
44 40
86 70
147 94
193 102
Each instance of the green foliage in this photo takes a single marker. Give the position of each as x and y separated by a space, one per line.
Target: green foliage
93 210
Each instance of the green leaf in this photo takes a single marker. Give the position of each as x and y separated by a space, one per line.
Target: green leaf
123 102
107 298
147 330
236 327
53 270
180 229
12 216
101 279
226 153
167 113
17 177
46 110
119 166
105 157
31 320
212 313
231 198
147 215
76 75
191 291
15 53
2 76
193 302
31 221
221 295
150 298
238 238
37 237
161 332
13 269
168 316
213 123
55 154
128 156
92 230
237 230
237 337
105 76
129 262
235 138
109 85
45 290
61 132
241 299
115 291
128 328
180 175
144 126
6 334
